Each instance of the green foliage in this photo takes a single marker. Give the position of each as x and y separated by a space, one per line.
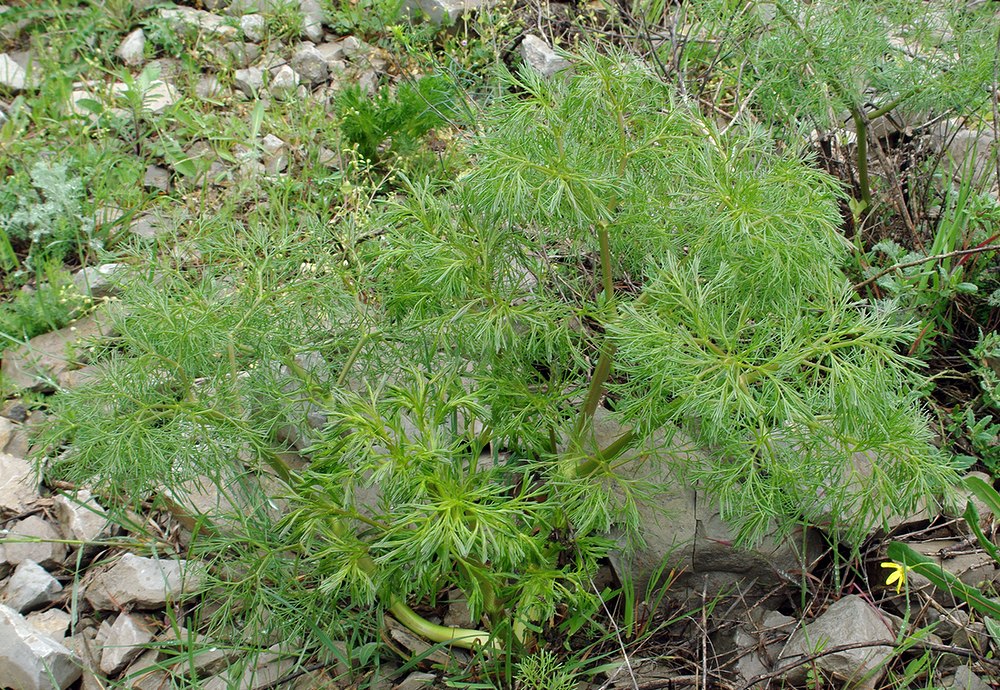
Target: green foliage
606 246
52 305
388 127
45 219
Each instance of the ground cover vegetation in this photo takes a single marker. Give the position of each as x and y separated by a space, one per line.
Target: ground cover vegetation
394 365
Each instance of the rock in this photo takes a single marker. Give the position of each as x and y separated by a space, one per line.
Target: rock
105 216
34 539
540 57
331 159
9 30
73 378
7 429
418 647
849 621
253 27
123 643
976 568
332 52
368 82
29 588
14 410
30 660
250 81
147 226
198 20
146 674
310 64
81 516
36 364
759 643
965 679
12 75
458 611
132 47
284 81
312 19
159 97
417 680
53 622
276 154
156 178
209 87
18 484
447 11
352 47
142 582
239 54
99 281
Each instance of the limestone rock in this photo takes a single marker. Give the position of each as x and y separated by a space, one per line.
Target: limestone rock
242 54
209 87
30 660
12 75
156 178
310 64
849 621
144 583
81 516
30 587
78 377
312 19
145 674
417 680
53 622
34 539
18 484
36 364
250 81
284 81
447 11
965 679
759 643
253 26
132 47
123 643
198 20
147 226
7 428
99 281
540 57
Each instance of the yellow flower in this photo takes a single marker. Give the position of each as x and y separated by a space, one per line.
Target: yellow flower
898 574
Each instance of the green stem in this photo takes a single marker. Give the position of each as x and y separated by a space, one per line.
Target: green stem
456 637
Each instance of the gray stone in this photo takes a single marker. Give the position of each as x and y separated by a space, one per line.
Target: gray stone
241 54
352 47
30 660
250 81
36 364
53 622
238 8
417 680
29 588
147 226
198 20
209 87
9 30
15 410
310 64
142 582
99 281
18 484
156 178
34 539
123 643
107 215
12 75
332 52
540 57
447 11
159 97
132 47
73 378
312 19
847 622
276 154
146 674
7 429
284 82
81 516
759 643
965 679
253 26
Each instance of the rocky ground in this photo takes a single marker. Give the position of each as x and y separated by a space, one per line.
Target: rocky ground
80 608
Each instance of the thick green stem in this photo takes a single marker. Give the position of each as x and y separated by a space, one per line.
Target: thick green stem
456 637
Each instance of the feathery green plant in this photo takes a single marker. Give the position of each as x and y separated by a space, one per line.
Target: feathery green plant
607 246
